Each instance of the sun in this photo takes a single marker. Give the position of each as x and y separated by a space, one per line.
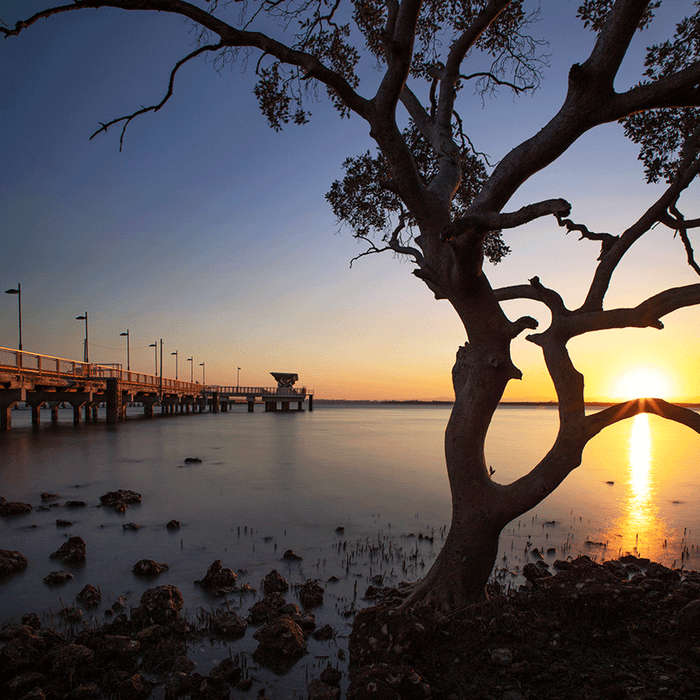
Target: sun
643 382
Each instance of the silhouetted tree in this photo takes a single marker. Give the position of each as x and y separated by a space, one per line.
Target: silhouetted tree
428 193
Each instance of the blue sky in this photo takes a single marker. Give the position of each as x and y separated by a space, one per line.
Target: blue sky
209 230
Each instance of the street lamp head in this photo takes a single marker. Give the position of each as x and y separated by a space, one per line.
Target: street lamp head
12 291
174 353
201 364
127 333
81 318
153 345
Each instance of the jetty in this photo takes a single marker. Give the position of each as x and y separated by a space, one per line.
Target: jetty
44 381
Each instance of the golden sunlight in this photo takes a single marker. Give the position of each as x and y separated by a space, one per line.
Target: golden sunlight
640 515
643 382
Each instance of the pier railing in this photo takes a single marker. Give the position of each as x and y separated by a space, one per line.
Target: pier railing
281 392
22 361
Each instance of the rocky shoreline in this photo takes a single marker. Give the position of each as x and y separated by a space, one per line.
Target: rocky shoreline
626 629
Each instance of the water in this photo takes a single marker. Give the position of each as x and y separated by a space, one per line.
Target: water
269 482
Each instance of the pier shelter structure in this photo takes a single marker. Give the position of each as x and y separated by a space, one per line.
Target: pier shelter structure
280 397
44 381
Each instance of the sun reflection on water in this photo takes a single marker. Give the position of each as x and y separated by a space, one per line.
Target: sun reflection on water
640 513
639 530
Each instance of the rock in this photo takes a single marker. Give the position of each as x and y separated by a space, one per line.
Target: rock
120 500
534 572
148 567
63 523
75 504
281 643
229 671
71 656
49 496
71 614
331 676
20 685
134 687
131 526
173 525
266 609
318 690
382 682
502 657
193 460
661 572
616 568
56 578
311 594
211 688
71 552
11 561
274 581
86 691
229 624
31 620
117 606
689 618
162 604
35 694
218 581
290 555
89 596
184 665
10 508
324 633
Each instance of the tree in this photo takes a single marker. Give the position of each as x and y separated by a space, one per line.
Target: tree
431 196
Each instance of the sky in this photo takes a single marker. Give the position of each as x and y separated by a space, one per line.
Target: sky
211 232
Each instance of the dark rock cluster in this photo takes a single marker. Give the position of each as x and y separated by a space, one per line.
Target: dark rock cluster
11 562
10 508
120 500
73 551
218 580
127 657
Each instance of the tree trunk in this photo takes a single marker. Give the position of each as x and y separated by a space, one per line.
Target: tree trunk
459 575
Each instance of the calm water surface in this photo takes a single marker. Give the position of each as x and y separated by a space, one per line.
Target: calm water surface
269 482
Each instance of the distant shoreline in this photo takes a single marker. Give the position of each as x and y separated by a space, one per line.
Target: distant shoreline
440 402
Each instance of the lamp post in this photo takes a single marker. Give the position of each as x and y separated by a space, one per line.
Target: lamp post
84 317
128 361
201 364
238 378
175 353
191 361
155 352
18 292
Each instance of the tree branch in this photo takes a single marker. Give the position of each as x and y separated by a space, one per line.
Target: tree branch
607 240
658 407
230 37
498 81
493 221
154 108
648 314
393 243
682 228
688 169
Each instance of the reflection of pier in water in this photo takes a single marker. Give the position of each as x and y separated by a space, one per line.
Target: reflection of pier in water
44 381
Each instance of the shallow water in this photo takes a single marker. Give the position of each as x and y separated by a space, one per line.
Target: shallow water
269 482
